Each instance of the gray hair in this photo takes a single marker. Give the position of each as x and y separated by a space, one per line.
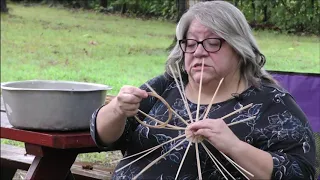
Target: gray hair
229 23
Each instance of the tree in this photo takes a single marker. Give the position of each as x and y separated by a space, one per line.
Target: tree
84 4
4 6
182 7
104 3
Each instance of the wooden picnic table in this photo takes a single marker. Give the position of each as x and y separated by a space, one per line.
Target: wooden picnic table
54 152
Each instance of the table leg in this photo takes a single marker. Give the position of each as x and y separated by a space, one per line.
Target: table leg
54 164
70 176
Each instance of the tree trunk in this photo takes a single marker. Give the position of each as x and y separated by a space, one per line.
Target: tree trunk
85 4
4 8
253 6
235 2
182 7
312 10
136 6
124 8
104 3
265 14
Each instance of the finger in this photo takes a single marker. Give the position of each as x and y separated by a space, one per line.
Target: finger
134 91
204 132
203 124
189 133
213 124
129 98
130 107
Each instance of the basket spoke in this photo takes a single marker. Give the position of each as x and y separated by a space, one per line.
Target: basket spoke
182 161
198 161
156 160
150 150
199 93
236 111
210 104
168 106
215 161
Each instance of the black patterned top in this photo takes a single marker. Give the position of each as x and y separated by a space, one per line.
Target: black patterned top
280 128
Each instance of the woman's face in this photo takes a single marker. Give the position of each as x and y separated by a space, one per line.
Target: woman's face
216 65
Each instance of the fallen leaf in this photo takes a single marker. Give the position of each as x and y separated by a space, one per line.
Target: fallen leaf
93 43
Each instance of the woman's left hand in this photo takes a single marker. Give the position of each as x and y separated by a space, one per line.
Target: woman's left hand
217 132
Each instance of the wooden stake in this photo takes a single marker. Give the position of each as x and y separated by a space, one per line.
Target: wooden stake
158 121
215 161
150 151
199 93
236 111
180 89
242 121
214 95
198 161
182 161
168 106
156 160
235 165
184 93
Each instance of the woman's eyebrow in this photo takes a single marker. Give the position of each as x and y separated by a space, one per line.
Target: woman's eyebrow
210 35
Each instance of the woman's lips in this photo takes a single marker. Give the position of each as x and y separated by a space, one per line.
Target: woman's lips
198 67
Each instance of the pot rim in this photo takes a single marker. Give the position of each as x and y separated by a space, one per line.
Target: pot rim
98 87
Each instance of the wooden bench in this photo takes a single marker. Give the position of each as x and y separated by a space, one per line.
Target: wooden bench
14 157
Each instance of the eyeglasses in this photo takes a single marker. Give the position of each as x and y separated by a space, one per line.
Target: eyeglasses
211 45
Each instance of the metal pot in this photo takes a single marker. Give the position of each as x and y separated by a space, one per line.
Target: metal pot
52 105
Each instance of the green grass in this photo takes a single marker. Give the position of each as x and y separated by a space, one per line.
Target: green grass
290 53
54 43
46 43
51 43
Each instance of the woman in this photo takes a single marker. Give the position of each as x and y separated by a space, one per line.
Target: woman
215 42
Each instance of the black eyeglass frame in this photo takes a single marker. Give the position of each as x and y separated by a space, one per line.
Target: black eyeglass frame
200 42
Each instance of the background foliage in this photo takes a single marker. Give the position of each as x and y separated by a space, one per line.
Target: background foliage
38 42
290 16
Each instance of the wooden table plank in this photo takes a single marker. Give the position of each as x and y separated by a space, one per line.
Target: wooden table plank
61 140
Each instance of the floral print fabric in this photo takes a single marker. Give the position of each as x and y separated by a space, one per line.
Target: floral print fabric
280 128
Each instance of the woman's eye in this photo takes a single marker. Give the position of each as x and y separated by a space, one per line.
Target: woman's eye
191 44
213 44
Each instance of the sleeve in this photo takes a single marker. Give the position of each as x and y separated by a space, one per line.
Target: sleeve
285 133
159 84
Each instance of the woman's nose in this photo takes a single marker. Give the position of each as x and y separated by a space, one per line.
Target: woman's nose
200 51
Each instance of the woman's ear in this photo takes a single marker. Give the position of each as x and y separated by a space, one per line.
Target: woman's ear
262 60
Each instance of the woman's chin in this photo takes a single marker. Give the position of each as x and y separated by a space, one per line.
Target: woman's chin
205 79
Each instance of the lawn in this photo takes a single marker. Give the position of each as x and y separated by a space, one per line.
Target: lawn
54 43
38 42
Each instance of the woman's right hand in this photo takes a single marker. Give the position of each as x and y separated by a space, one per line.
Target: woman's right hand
128 100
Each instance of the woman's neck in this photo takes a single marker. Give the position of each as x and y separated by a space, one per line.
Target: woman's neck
232 83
